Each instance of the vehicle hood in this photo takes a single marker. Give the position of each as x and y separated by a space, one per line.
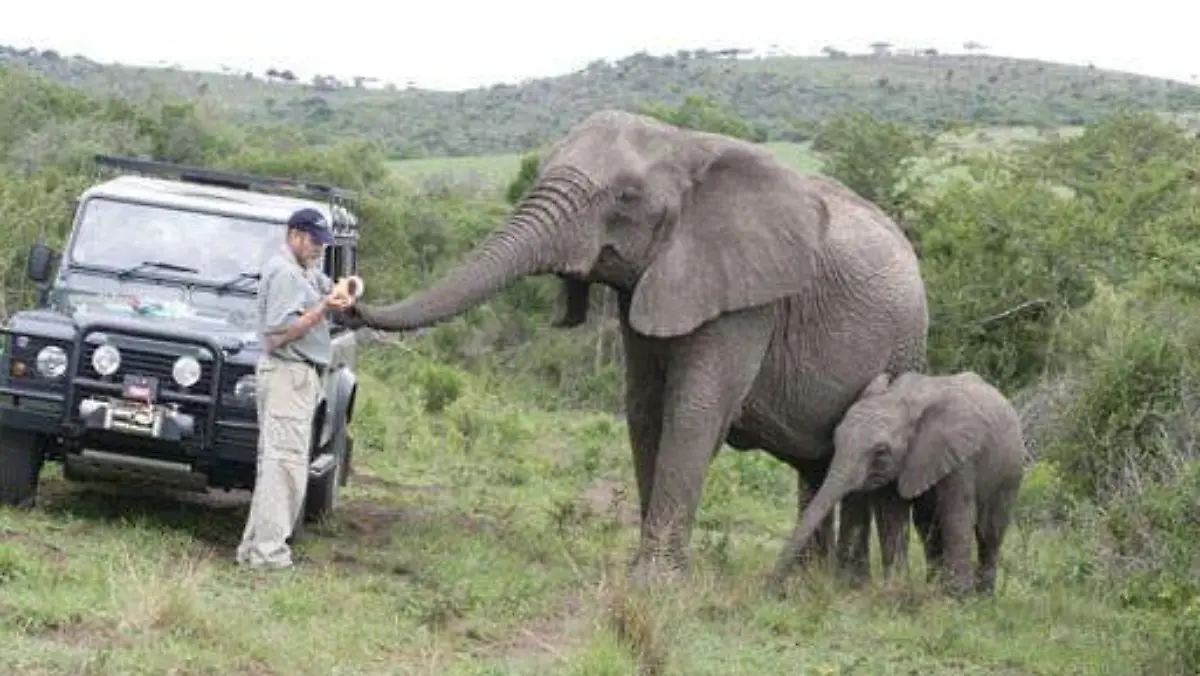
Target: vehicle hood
158 320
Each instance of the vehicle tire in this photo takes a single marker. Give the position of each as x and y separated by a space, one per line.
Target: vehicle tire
20 465
321 496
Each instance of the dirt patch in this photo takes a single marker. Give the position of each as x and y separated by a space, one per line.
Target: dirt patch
55 553
374 481
549 639
351 561
77 633
609 497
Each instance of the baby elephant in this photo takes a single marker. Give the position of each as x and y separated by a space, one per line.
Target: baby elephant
953 444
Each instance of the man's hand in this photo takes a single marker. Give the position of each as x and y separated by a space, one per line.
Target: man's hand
346 292
338 301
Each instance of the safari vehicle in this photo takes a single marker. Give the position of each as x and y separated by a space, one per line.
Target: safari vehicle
138 362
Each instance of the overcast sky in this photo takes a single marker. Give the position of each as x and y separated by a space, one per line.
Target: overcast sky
451 44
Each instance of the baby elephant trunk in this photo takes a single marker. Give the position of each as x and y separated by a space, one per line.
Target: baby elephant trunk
835 487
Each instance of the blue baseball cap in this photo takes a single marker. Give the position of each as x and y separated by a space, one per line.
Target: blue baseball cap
314 223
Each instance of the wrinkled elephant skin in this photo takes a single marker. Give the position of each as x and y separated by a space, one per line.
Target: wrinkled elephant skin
952 445
755 304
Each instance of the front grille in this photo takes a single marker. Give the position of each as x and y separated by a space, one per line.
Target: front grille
142 362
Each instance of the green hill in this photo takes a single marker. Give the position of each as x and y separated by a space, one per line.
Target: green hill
781 96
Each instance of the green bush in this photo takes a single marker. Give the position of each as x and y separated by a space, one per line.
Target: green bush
1155 532
1130 422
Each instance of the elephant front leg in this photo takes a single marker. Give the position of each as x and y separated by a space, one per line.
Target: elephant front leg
924 515
853 540
892 514
708 376
644 379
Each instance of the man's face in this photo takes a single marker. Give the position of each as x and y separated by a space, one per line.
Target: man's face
307 249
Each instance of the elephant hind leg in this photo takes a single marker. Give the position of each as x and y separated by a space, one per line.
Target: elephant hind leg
957 519
993 520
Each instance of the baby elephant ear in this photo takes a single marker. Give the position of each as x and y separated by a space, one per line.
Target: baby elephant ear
948 434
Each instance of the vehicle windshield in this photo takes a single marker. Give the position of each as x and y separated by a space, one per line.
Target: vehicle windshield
200 308
163 240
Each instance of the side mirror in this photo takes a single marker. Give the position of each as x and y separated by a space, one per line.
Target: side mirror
37 266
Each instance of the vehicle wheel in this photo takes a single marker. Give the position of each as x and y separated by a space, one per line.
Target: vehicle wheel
321 497
20 466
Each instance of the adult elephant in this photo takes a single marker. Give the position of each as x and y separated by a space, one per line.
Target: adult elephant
755 304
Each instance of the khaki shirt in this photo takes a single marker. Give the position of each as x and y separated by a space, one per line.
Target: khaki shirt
285 291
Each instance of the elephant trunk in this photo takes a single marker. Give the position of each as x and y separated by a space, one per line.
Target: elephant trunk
830 494
840 481
530 242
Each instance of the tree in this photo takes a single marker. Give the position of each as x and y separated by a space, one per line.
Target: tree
524 178
704 114
873 158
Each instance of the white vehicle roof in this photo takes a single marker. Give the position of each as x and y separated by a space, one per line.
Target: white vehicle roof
199 197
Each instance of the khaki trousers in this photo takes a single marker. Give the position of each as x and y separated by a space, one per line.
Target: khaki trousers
287 398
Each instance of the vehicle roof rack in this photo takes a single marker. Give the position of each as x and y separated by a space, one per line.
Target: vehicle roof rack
340 200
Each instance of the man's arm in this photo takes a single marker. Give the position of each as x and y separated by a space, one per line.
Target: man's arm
324 283
287 319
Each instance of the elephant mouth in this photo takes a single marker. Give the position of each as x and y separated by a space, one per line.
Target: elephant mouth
872 484
614 270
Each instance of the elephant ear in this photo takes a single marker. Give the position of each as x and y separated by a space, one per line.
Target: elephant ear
747 234
943 440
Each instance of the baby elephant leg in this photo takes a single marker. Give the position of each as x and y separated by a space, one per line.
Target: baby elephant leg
994 518
956 519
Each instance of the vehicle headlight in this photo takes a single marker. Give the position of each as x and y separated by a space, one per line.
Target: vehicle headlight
106 360
51 361
246 387
186 371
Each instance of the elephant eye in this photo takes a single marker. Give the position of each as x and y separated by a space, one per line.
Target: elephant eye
629 194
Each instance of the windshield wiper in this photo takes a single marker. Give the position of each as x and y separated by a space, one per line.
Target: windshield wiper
223 286
155 264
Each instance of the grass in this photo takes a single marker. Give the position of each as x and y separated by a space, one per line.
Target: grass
486 539
490 170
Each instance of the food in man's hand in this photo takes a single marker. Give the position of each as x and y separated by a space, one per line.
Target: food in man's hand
348 288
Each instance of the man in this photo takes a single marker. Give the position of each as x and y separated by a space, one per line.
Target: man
294 298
